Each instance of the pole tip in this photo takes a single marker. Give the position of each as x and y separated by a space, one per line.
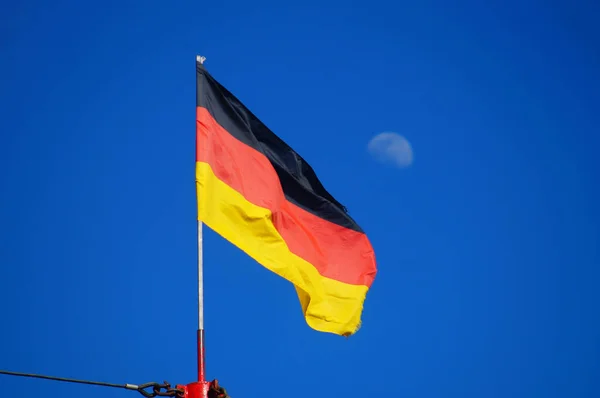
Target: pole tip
200 59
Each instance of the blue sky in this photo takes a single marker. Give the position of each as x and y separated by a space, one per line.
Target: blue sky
487 245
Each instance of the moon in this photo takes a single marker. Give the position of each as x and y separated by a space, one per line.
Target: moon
391 148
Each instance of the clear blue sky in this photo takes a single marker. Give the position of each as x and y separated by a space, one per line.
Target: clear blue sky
487 245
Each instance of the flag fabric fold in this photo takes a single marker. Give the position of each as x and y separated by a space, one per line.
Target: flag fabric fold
263 197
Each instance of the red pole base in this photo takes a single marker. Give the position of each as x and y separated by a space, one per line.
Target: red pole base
197 389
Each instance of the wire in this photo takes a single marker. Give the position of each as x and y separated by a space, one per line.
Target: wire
156 388
97 383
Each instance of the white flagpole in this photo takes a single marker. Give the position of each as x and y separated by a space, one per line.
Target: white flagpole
200 334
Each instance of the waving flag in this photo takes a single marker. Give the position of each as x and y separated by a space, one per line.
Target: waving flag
261 196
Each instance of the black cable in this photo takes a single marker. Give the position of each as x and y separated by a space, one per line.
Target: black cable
156 388
97 383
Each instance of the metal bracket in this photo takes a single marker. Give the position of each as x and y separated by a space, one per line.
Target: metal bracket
197 389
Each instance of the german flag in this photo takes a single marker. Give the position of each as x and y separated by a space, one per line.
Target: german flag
261 196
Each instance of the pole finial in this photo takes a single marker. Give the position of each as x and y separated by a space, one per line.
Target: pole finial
201 59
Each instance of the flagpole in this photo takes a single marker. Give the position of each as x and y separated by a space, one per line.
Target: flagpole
200 333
